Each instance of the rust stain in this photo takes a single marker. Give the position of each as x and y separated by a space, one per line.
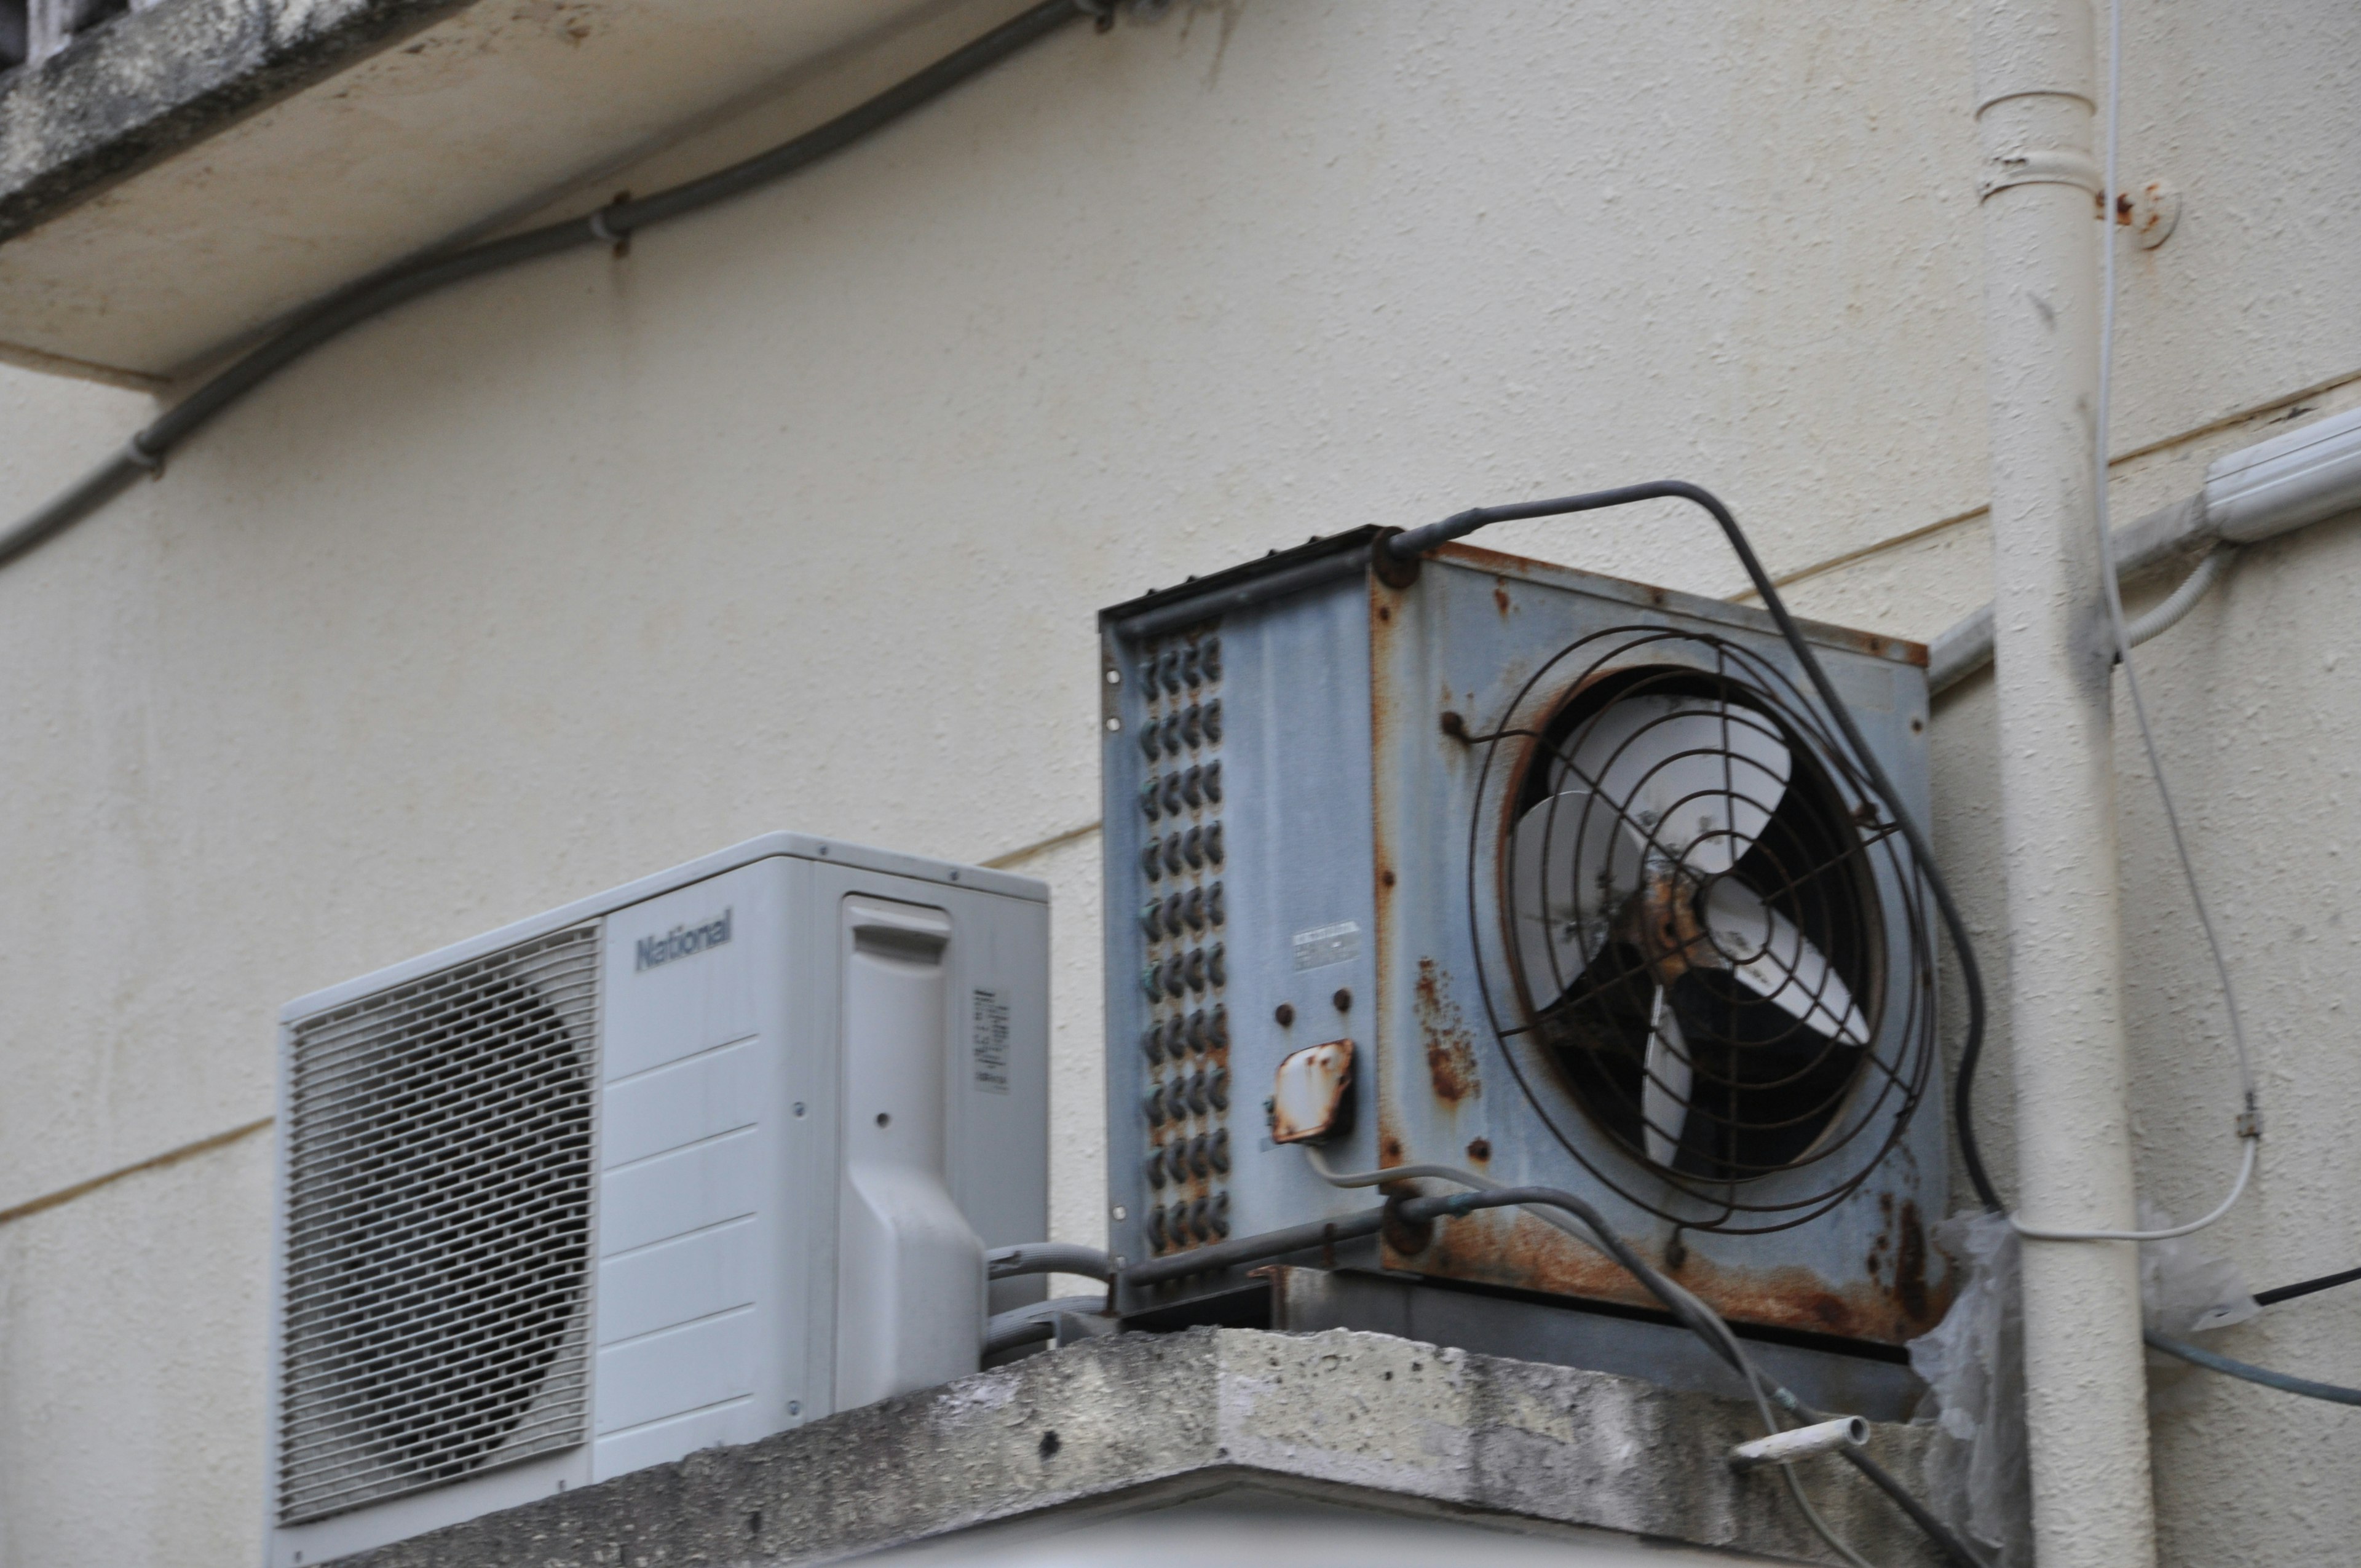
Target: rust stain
1501 598
1479 1149
1518 1250
1450 1049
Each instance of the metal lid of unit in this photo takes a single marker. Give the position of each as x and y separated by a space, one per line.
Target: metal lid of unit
795 845
1338 555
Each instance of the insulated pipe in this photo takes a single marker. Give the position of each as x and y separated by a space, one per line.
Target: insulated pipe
2086 1383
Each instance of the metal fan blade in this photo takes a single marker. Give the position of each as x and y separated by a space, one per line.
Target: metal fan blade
1665 1092
1571 865
1697 777
1778 962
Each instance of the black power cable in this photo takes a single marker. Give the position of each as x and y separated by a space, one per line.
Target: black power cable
1408 546
2305 1287
145 452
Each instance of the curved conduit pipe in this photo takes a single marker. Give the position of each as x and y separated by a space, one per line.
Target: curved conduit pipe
2309 475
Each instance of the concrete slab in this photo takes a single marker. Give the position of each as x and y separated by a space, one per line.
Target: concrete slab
1118 1425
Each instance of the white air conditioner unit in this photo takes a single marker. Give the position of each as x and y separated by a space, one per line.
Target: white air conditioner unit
685 1164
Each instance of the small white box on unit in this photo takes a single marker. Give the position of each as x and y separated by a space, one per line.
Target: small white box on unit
685 1164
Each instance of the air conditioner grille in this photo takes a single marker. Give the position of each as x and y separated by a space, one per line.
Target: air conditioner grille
438 1228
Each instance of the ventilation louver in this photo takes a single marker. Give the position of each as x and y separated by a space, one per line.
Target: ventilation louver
438 1227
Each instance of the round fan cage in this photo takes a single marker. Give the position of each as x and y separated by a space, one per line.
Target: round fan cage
1706 949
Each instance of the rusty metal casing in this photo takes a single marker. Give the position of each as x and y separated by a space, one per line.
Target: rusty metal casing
1295 754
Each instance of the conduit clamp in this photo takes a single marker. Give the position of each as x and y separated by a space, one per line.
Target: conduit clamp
2040 166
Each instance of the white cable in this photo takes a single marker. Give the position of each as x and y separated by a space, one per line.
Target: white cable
2249 1123
2237 1191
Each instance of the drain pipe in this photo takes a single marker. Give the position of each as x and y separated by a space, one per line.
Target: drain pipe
2086 1381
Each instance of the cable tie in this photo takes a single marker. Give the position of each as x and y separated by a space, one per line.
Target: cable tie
136 451
601 233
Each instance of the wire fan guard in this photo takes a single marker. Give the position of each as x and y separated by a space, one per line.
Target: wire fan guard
1709 944
438 1228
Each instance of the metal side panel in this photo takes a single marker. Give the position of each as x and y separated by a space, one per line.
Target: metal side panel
1293 883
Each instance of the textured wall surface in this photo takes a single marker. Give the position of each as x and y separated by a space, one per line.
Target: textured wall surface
798 516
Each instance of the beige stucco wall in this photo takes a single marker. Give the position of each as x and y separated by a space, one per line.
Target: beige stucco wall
798 517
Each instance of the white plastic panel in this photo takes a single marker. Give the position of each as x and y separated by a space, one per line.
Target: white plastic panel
686 1368
693 1120
676 1193
677 1281
665 1108
910 1284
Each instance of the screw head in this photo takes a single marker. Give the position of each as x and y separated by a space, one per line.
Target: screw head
1285 1015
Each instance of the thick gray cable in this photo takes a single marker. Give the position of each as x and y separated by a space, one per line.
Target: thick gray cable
2249 1123
1025 1325
1585 1225
146 452
1047 1257
2253 1374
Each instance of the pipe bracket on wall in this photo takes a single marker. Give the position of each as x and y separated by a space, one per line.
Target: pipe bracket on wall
2040 166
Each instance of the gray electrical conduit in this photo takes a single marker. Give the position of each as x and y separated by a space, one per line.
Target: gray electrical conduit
2309 474
146 450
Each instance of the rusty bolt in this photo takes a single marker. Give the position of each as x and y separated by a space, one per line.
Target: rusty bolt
1342 999
1286 1014
1479 1149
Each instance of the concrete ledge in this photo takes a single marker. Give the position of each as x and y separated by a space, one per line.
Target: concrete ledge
1141 1420
145 85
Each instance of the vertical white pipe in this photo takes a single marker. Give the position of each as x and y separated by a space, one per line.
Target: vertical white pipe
2085 1378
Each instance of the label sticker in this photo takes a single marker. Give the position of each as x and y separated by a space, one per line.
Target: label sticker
1325 945
990 1015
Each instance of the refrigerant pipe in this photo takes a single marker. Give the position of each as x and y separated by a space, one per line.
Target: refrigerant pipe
2042 195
